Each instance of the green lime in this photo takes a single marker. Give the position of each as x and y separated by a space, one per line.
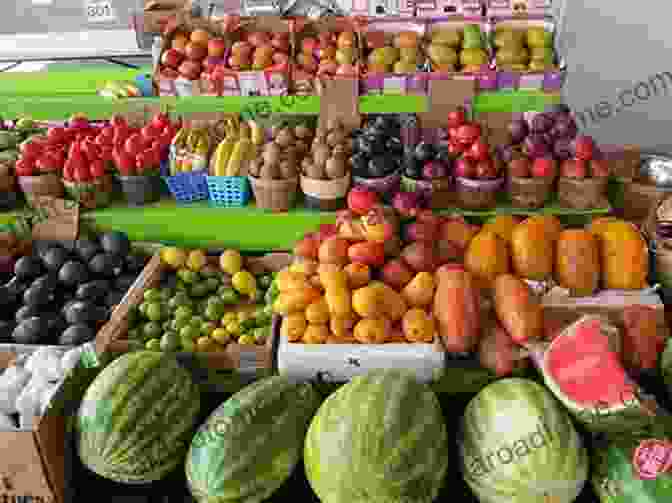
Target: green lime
133 317
176 325
207 328
135 333
248 324
199 289
230 296
165 294
183 312
258 297
154 311
214 312
223 288
212 284
181 286
151 330
142 308
265 281
268 310
153 345
166 325
189 277
170 341
188 345
190 332
152 295
197 320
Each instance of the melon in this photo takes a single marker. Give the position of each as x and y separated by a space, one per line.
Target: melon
518 444
379 438
137 418
251 443
583 369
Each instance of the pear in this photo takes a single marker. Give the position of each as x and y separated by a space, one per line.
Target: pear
408 55
442 54
509 37
543 54
507 56
473 57
404 67
537 36
451 38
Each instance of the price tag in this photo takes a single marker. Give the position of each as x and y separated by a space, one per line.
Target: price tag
100 11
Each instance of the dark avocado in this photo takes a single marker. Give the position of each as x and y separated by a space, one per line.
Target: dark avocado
394 146
424 152
86 249
84 312
73 273
443 155
116 243
6 329
53 258
48 281
412 168
7 298
37 296
27 268
76 334
135 263
114 298
55 322
15 287
30 331
382 165
26 312
93 290
124 282
360 165
106 265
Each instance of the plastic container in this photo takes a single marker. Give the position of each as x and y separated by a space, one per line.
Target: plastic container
477 194
42 185
274 195
583 193
141 190
530 192
228 191
386 186
188 187
325 195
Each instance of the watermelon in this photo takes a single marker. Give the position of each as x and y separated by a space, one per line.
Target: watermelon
379 438
137 418
518 444
583 369
251 443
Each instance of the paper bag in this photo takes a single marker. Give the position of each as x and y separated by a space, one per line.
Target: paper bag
57 219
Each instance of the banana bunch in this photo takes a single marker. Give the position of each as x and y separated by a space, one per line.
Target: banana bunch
177 147
239 147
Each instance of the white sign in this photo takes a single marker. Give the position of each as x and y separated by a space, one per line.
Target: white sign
100 11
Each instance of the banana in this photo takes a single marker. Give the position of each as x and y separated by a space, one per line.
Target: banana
223 154
256 133
175 151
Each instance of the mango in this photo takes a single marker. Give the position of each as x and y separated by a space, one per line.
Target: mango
372 330
318 312
518 55
339 301
293 327
394 304
341 326
368 302
316 334
509 37
448 37
537 36
487 256
418 326
419 292
442 54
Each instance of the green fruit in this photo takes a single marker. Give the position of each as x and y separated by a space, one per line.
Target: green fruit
199 289
213 312
207 328
134 316
154 311
212 284
170 341
230 296
151 330
265 281
152 295
167 325
176 325
165 294
190 332
188 345
180 299
153 345
137 418
142 308
235 427
187 276
183 313
261 334
135 333
181 286
543 453
197 321
387 450
248 324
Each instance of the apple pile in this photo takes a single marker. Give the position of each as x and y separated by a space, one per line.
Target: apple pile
329 54
191 54
470 149
257 51
586 163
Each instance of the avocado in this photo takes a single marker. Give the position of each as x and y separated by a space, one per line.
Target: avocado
116 243
54 258
26 312
73 273
125 281
55 322
425 152
48 281
135 263
30 331
394 146
106 265
114 298
360 165
37 296
86 249
380 166
84 312
93 290
16 287
6 329
76 334
27 268
7 298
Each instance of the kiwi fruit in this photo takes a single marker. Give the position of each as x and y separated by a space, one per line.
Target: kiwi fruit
336 137
254 167
320 155
288 170
335 168
270 172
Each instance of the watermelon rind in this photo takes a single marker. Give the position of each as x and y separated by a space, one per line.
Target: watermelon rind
517 443
137 418
379 438
250 445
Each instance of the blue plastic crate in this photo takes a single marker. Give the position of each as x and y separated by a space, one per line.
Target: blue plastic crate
188 187
229 191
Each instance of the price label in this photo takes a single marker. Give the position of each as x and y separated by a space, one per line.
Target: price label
100 11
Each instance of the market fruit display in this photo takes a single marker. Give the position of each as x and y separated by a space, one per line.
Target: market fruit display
526 49
396 51
260 50
237 153
456 48
328 53
517 443
239 429
201 304
137 418
61 296
351 438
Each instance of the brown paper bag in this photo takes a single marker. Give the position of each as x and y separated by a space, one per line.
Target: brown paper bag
340 101
444 96
58 219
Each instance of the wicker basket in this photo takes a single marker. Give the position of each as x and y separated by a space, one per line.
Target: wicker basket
583 194
477 194
386 186
530 192
7 183
325 195
274 195
437 194
92 195
42 185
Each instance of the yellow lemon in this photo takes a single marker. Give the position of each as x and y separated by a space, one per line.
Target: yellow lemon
231 262
244 282
196 260
246 340
173 257
221 336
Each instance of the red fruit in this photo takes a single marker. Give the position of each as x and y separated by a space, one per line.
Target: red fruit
134 144
31 148
107 131
396 274
498 353
361 200
479 150
464 168
118 122
452 132
643 338
56 135
121 135
599 168
574 168
456 118
455 148
420 256
430 218
172 58
544 168
307 247
24 167
367 252
447 252
161 121
68 173
327 231
584 148
468 133
421 231
150 132
82 173
104 139
78 122
520 167
486 170
49 163
107 153
91 151
97 168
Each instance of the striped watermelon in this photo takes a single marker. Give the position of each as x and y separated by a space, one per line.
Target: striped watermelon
250 445
137 418
518 444
380 438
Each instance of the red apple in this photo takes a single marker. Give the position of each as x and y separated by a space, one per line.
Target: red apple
479 150
520 167
544 168
195 52
216 47
468 133
367 252
574 168
456 118
169 73
134 144
396 273
361 200
211 62
464 168
190 70
486 170
599 168
280 43
172 58
56 135
452 132
309 45
31 148
455 148
584 148
242 48
118 122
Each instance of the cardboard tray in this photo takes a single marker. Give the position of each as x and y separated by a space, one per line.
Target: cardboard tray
111 338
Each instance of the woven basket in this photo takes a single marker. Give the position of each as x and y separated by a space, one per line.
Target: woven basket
530 192
92 195
325 195
386 186
42 185
7 183
583 194
477 194
274 195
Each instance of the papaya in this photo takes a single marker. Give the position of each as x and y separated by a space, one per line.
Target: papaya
598 224
533 246
487 256
457 310
624 255
502 225
519 312
577 262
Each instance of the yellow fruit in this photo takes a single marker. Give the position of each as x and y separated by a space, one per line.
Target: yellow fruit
318 312
293 327
419 292
221 336
205 344
244 282
502 225
339 301
196 260
230 262
175 258
418 326
307 267
247 340
372 330
368 302
395 305
342 326
316 334
233 327
295 300
625 257
533 248
228 318
577 262
332 276
290 280
358 275
487 256
243 316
